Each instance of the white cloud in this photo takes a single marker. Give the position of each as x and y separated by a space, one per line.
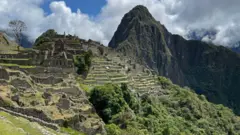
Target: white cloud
179 16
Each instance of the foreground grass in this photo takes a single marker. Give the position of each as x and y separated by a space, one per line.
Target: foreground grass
71 131
11 125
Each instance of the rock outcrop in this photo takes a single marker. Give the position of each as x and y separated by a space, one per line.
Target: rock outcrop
4 74
211 70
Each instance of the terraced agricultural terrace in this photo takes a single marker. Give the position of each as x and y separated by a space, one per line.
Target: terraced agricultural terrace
105 70
40 84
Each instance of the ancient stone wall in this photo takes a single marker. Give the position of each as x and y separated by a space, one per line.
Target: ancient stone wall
20 84
70 91
75 52
48 80
16 61
4 74
17 56
63 63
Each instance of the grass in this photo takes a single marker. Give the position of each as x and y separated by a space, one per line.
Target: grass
27 98
14 59
12 125
71 131
16 65
8 129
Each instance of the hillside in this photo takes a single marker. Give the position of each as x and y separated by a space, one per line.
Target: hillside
12 125
70 86
208 69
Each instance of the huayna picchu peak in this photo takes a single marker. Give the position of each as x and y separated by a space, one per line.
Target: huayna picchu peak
210 70
66 85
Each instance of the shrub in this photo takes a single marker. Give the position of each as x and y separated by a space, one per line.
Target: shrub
107 100
83 62
113 129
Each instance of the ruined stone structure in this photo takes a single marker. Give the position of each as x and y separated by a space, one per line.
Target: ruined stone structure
48 80
26 77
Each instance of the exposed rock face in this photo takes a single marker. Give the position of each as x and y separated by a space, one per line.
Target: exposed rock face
210 70
47 80
141 37
46 95
20 84
64 103
4 74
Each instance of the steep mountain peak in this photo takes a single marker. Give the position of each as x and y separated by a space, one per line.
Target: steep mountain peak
141 12
139 22
188 63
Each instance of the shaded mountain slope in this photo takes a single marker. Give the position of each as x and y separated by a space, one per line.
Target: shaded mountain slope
210 70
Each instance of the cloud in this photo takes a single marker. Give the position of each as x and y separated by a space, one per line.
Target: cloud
179 16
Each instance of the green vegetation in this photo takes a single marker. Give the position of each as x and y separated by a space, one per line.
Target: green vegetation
83 86
83 62
172 111
45 37
11 125
71 131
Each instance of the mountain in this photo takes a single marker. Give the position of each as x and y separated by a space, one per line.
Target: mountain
67 85
209 69
236 48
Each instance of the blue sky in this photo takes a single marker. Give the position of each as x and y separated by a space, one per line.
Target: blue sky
90 7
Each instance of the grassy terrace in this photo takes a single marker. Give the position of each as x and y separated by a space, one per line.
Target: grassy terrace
11 125
14 59
16 65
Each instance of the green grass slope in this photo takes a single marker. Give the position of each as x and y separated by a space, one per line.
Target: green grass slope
12 125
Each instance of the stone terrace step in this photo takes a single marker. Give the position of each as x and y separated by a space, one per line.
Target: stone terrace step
97 72
120 77
117 75
103 82
90 81
119 82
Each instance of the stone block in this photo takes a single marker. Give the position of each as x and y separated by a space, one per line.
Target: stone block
20 84
4 74
64 103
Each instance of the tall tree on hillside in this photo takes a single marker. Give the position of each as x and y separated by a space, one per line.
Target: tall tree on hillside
17 27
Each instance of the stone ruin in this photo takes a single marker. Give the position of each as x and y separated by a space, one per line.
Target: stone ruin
4 75
48 80
36 71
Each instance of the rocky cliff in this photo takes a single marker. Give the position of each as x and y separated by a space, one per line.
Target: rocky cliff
210 70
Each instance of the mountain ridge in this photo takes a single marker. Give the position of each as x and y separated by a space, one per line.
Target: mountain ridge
202 66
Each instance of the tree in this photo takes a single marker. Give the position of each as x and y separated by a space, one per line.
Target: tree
17 27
